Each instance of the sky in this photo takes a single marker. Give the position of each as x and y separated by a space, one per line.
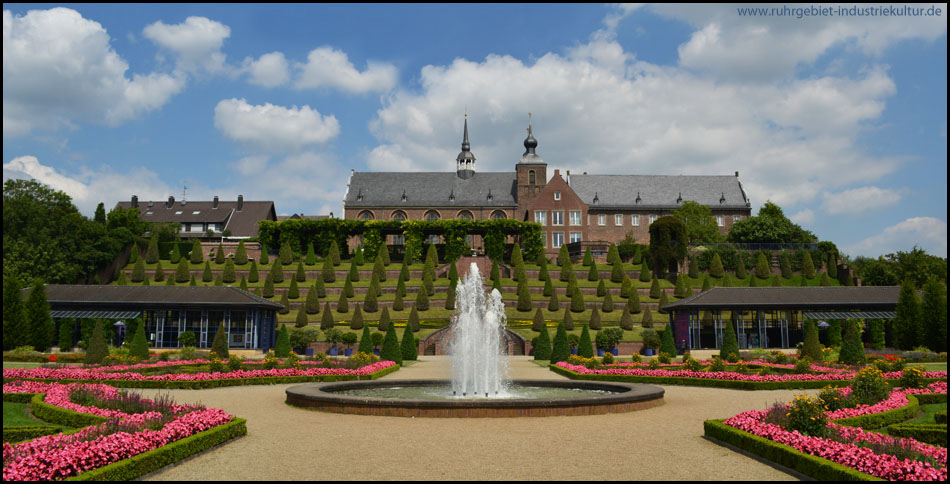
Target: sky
839 119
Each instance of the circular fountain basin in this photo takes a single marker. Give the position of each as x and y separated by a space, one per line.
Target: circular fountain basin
433 398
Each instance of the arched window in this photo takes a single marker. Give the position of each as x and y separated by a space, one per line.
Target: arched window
366 215
465 215
399 239
432 215
531 177
399 215
498 215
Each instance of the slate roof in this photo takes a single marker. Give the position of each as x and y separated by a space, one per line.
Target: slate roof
241 223
431 189
659 191
59 295
827 297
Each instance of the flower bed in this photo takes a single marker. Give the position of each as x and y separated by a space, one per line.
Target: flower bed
759 436
123 376
675 374
104 450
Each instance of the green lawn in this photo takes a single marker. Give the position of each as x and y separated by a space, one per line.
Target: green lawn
15 415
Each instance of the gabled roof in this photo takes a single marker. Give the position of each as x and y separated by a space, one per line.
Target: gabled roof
828 297
659 191
241 223
431 189
59 295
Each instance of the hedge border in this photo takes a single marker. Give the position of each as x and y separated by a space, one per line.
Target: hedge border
18 397
883 419
930 434
60 415
15 435
809 465
155 459
229 382
714 383
941 417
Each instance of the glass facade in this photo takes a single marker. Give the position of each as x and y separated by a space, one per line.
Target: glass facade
243 327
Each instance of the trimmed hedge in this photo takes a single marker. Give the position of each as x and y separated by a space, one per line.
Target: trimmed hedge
61 416
935 434
812 466
713 383
155 459
883 419
19 434
230 382
941 417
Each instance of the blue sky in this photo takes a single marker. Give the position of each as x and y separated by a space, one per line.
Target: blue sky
841 121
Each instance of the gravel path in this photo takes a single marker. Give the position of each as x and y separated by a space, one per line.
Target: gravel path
661 443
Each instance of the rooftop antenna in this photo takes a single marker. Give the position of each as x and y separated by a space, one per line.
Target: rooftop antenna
184 192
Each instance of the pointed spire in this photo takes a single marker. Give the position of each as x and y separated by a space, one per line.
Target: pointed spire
465 161
466 146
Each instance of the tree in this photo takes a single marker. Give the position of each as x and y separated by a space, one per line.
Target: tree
391 350
762 267
715 268
285 302
328 274
577 301
370 302
608 304
312 304
560 349
825 280
553 303
730 345
358 256
229 276
811 346
524 297
585 348
626 321
282 346
646 320
366 341
253 275
680 289
877 334
588 259
852 350
357 321
301 321
197 253
594 322
409 348
645 275
538 321
384 320
450 294
268 287
16 323
151 254
159 272
593 274
139 346
542 349
342 306
769 226
301 275
327 321
741 272
219 257
834 333
700 225
182 273
667 343
655 291
354 274
300 338
808 266
65 343
707 284
663 302
39 321
348 291
175 255
785 264
693 268
311 258
568 320
413 321
909 317
286 254
334 254
422 299
543 269
667 244
934 316
379 269
633 303
98 348
383 254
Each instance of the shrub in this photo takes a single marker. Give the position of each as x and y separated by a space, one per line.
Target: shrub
651 339
65 335
592 273
151 254
626 321
342 306
645 275
542 348
384 320
646 320
585 348
577 301
803 365
654 364
852 350
691 364
667 344
869 386
730 344
282 345
715 269
560 349
877 334
301 321
98 349
348 289
693 268
327 321
568 320
391 350
553 303
139 346
807 416
655 291
912 378
413 321
328 274
664 357
811 348
717 364
524 297
422 299
834 333
450 294
741 271
594 320
408 346
312 304
285 303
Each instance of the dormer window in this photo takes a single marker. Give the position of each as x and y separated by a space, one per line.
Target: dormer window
196 212
178 212
557 195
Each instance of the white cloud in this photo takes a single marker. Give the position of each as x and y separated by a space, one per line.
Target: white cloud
328 67
269 70
859 200
196 43
751 48
803 217
273 128
599 110
89 187
928 233
304 179
58 68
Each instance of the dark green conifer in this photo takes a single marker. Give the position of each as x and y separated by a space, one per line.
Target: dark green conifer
538 323
645 275
553 304
229 275
568 320
301 274
450 295
593 274
286 253
253 276
151 254
715 268
357 321
277 271
577 301
601 288
206 274
138 272
585 348
311 258
543 271
342 306
391 350
312 303
282 346
243 284
294 291
181 272
98 349
384 320
543 349
663 302
408 346
693 267
667 343
328 274
633 303
413 321
608 305
334 254
808 266
240 255
219 254
762 267
175 255
588 259
560 349
159 272
655 290
268 287
326 322
594 322
422 299
285 302
197 253
301 318
265 257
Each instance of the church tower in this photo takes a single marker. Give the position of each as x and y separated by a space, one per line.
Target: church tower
465 161
531 173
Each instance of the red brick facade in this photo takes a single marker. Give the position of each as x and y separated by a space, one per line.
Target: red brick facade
564 214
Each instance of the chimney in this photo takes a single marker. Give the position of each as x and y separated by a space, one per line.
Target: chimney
135 201
171 202
557 172
737 174
215 203
240 205
568 177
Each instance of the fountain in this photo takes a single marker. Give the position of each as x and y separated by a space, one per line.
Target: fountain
480 386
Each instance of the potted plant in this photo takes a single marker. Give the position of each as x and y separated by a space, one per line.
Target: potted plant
607 340
377 342
573 341
333 337
349 338
651 341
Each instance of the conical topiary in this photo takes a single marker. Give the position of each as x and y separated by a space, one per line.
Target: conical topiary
327 321
384 320
408 347
240 254
285 302
608 305
301 321
715 267
594 320
626 321
645 275
282 345
560 349
538 321
206 274
366 342
852 350
568 320
312 304
729 350
811 347
667 343
311 258
265 257
97 349
357 321
181 272
585 348
253 276
391 350
542 351
220 345
175 255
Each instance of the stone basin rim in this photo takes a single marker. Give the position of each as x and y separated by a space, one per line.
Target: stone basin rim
621 392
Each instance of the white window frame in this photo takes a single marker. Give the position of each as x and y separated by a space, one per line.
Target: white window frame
557 195
602 219
555 238
721 220
575 237
575 217
635 220
557 217
541 217
544 240
618 220
652 219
